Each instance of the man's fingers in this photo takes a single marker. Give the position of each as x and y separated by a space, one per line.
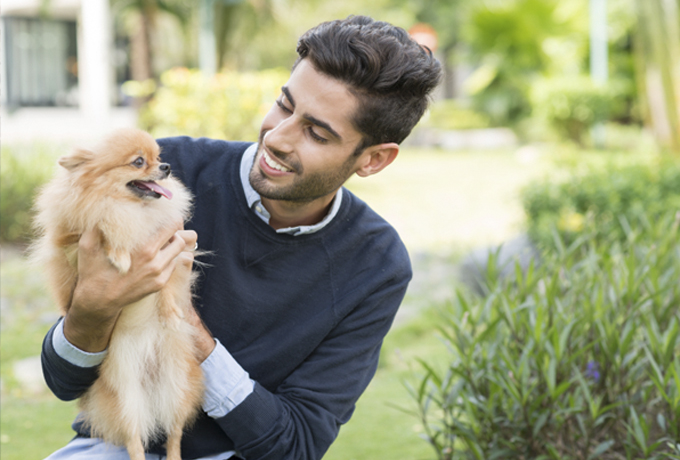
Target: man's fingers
175 246
90 240
165 235
190 238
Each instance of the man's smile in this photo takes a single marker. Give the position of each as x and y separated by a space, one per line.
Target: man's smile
270 161
273 163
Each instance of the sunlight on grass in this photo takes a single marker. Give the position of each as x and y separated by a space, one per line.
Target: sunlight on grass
441 201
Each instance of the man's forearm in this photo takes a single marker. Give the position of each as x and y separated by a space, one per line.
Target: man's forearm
67 380
87 331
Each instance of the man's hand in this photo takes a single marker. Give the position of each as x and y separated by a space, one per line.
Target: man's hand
101 291
205 343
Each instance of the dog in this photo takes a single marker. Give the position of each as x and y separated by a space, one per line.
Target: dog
150 383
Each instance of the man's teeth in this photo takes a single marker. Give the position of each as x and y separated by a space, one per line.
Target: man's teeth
274 164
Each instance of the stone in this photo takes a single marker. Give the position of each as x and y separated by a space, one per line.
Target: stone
473 268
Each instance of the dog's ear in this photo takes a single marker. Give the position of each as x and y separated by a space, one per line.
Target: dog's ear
77 158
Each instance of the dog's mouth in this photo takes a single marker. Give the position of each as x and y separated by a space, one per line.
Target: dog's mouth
149 189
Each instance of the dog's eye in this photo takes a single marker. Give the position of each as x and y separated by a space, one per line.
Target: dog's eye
139 162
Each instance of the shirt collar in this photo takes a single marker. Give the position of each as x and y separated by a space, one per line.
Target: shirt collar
255 201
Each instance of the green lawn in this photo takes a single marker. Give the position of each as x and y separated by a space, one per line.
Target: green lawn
442 204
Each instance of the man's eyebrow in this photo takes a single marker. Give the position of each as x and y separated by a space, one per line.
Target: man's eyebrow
286 91
322 124
312 119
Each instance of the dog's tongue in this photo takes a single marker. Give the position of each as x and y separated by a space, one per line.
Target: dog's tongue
157 188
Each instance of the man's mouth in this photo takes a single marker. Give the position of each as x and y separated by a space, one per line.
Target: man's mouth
149 189
272 163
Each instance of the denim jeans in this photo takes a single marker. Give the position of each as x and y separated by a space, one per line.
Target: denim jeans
96 449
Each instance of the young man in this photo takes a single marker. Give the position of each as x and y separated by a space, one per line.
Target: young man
304 279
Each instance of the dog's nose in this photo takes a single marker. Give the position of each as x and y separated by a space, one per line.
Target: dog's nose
165 169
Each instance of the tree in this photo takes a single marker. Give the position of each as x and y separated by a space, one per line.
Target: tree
658 67
141 17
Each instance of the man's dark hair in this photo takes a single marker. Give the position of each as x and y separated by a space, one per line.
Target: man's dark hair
390 74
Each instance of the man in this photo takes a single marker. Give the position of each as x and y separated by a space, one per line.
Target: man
304 279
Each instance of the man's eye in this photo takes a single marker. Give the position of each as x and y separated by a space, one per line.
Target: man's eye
316 137
283 107
139 162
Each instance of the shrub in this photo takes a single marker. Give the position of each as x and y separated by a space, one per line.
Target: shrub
572 105
22 171
229 105
594 200
578 358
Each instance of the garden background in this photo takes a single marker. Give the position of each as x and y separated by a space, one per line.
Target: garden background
538 199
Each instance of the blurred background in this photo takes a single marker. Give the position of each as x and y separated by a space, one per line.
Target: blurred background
556 120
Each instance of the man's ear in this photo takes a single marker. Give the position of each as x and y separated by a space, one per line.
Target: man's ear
75 159
376 158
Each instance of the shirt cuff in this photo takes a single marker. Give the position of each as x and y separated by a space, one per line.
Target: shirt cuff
71 353
227 384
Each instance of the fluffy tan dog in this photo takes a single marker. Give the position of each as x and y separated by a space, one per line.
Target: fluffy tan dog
150 382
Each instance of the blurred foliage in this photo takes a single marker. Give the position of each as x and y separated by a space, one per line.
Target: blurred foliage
494 51
573 358
573 105
598 201
506 42
229 105
448 114
22 171
141 21
657 61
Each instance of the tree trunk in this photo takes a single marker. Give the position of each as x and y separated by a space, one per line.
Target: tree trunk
140 50
659 37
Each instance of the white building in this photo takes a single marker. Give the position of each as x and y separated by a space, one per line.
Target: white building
57 71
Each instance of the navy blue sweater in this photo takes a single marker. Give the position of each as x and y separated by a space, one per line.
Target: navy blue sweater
305 315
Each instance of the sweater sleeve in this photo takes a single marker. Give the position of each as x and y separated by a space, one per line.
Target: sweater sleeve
66 380
301 418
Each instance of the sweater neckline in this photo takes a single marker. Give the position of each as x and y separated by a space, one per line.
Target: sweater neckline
264 228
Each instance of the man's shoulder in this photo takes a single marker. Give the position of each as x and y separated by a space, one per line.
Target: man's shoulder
370 232
185 145
201 158
362 215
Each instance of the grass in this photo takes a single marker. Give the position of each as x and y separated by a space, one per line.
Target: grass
440 200
442 204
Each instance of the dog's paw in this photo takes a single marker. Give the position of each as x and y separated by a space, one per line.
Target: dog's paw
120 258
172 322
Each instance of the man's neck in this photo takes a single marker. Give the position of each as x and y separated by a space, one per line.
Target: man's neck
286 214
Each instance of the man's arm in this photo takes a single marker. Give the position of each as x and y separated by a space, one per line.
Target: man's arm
101 291
100 295
301 418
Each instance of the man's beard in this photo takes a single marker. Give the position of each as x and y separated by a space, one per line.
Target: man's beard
304 188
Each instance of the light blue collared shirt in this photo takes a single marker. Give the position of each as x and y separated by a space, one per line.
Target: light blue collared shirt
255 201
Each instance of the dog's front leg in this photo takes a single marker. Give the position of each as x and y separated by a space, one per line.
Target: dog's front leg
172 447
135 448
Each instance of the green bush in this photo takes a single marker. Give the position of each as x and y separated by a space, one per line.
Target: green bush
576 358
229 105
572 105
447 114
22 171
593 201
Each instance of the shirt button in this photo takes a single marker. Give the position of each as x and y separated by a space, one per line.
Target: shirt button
258 209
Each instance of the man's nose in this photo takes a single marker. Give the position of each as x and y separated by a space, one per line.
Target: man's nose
282 137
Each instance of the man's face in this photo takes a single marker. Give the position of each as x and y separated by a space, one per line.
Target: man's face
307 139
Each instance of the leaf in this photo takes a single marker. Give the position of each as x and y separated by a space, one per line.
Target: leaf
564 386
670 342
564 338
540 422
600 449
661 420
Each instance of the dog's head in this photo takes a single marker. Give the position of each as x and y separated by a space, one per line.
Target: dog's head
126 164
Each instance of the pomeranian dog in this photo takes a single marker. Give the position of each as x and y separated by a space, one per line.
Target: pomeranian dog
150 383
